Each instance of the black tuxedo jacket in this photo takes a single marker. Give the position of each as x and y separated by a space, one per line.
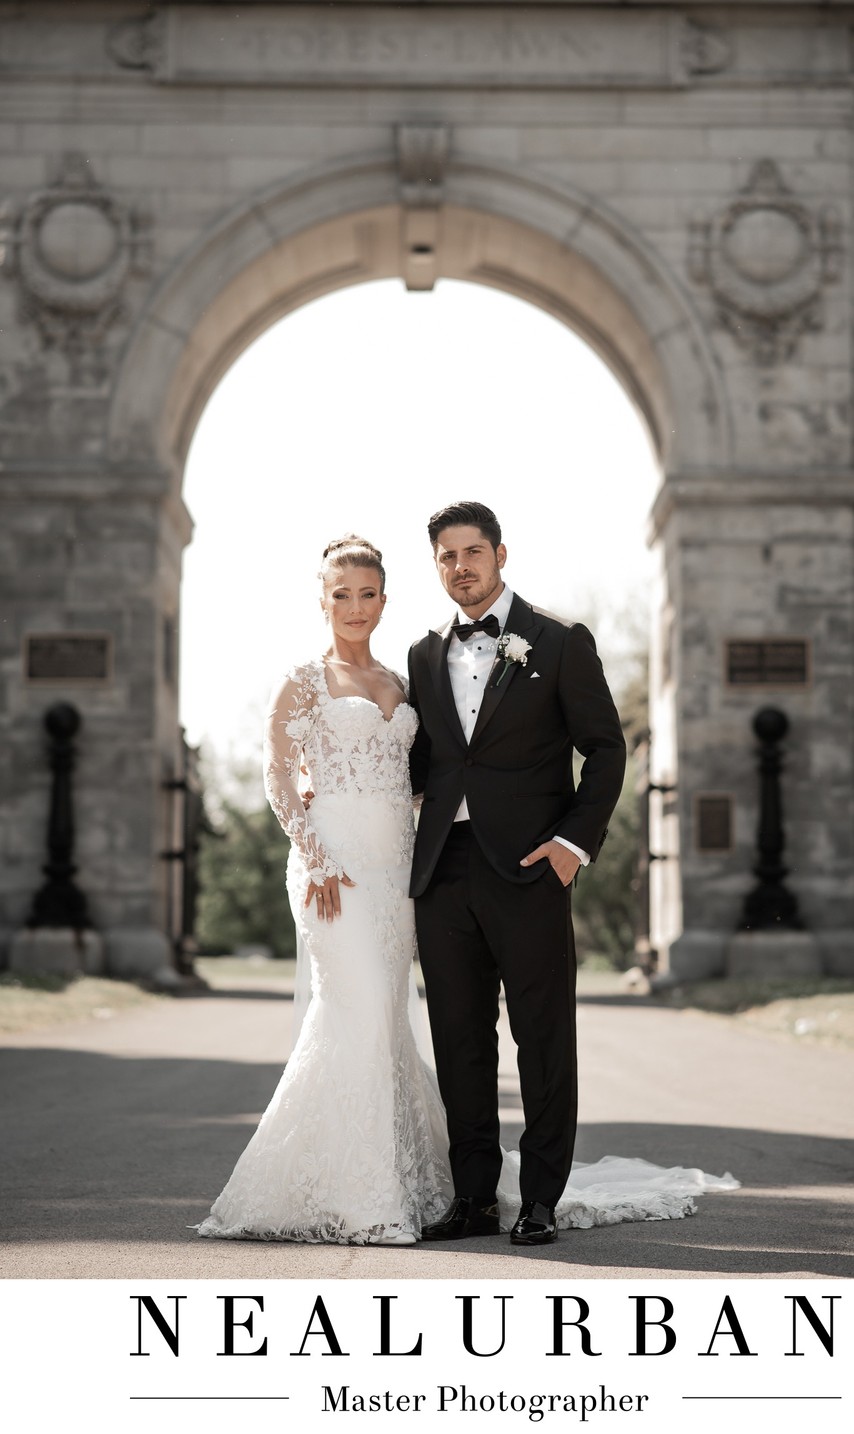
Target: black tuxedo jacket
516 773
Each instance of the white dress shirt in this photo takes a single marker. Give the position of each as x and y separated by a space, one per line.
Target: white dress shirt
469 666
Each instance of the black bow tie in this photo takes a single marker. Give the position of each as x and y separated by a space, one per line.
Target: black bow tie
489 624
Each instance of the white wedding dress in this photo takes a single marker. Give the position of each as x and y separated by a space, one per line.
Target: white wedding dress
352 1148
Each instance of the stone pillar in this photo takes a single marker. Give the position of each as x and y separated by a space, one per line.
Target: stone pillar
89 556
99 555
750 561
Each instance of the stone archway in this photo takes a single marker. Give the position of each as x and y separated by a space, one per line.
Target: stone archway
675 187
493 227
551 247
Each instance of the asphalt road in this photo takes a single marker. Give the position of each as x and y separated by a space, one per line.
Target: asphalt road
117 1134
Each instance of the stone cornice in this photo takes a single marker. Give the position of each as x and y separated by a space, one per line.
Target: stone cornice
52 480
718 6
749 488
550 45
63 478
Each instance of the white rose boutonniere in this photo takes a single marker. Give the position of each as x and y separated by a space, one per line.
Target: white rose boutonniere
513 649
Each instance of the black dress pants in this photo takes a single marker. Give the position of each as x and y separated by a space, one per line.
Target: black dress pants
475 931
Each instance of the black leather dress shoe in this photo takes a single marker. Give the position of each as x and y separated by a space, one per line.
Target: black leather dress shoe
536 1225
464 1218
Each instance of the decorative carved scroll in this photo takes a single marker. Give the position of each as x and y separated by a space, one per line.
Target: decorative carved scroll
137 44
705 50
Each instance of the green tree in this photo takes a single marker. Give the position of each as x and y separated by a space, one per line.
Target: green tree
605 901
242 896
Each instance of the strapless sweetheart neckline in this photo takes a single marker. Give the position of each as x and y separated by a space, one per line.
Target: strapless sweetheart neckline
357 697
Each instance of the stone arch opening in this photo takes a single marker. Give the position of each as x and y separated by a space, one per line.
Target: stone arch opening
366 409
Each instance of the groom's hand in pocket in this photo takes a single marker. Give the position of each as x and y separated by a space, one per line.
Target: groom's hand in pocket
564 863
327 895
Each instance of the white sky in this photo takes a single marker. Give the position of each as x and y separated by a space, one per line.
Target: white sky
367 410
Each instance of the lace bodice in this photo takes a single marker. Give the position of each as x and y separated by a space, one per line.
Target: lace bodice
345 743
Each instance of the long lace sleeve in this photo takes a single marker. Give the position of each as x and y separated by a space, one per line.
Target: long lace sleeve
293 711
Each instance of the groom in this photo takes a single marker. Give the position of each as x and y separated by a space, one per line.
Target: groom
504 692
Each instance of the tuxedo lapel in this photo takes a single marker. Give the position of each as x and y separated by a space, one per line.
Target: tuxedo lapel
437 658
521 621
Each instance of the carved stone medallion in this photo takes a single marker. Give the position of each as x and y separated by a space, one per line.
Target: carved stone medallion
766 259
72 247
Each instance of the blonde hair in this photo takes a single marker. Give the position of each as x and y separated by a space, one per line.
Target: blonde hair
351 551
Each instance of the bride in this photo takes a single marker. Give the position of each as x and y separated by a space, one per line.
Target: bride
353 1148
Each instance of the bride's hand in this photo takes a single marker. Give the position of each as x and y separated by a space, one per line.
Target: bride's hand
327 895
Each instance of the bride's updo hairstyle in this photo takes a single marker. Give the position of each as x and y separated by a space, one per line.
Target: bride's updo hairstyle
351 551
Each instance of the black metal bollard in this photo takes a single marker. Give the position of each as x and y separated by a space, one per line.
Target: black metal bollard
59 902
770 905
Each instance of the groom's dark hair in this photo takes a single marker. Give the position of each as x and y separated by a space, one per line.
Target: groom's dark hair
456 515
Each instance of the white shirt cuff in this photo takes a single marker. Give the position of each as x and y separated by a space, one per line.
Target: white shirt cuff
583 856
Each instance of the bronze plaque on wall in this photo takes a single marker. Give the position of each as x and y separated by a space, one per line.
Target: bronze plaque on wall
713 822
767 662
67 657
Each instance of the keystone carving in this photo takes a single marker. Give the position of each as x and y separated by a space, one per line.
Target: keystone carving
422 156
72 248
766 259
